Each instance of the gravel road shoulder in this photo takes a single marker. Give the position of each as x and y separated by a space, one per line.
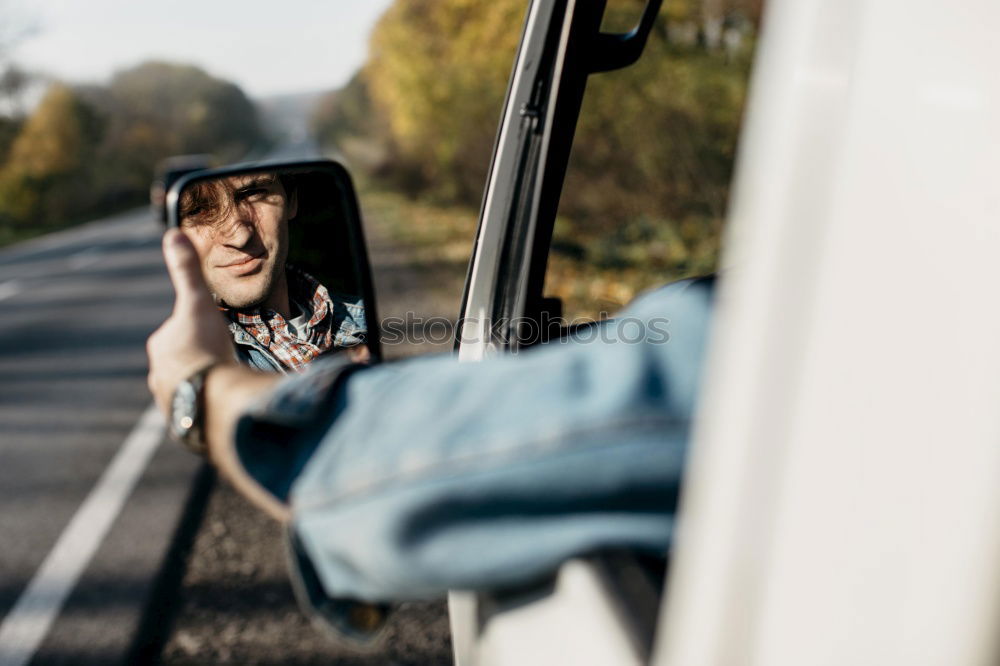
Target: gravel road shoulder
235 604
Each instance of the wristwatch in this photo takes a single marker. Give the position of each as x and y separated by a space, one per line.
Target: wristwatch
187 411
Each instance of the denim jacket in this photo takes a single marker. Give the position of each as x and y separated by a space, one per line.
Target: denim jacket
410 479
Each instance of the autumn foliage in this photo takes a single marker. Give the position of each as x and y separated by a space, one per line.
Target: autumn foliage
83 151
648 181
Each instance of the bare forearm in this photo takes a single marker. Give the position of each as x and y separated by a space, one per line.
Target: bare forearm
229 390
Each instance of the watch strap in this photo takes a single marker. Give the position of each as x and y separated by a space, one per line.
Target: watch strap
193 436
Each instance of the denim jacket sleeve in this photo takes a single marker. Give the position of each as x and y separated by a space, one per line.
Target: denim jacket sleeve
410 479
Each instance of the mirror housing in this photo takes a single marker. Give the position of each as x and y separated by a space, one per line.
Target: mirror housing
282 238
168 172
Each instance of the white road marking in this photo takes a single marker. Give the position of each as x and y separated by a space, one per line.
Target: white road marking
28 622
85 258
9 288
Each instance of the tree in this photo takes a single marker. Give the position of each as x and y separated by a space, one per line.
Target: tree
160 109
13 79
437 73
659 135
345 113
92 149
648 178
45 177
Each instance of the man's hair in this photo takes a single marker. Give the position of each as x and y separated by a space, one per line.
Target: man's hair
205 202
208 202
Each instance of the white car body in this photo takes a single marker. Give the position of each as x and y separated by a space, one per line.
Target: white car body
843 502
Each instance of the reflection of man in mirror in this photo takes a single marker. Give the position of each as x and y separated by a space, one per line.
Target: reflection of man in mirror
280 317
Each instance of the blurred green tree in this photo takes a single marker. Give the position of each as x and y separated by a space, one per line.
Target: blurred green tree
648 180
344 112
159 109
46 176
661 132
14 80
92 149
437 74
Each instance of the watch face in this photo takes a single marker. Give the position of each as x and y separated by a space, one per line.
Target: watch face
182 410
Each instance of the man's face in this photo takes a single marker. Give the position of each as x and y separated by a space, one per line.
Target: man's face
239 226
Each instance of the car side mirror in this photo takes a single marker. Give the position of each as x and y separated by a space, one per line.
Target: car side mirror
283 251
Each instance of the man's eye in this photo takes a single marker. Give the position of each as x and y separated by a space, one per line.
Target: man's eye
252 194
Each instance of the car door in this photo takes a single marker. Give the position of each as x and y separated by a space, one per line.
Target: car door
841 504
561 46
504 309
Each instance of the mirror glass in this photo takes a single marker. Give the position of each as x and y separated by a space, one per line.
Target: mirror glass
282 251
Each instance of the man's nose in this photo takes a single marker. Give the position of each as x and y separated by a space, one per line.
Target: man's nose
238 228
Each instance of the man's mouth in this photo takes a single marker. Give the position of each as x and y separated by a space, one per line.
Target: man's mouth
245 264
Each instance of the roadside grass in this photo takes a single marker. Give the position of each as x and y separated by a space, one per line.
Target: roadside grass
10 236
598 269
436 235
594 270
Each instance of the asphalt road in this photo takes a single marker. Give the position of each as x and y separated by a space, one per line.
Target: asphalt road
76 309
116 547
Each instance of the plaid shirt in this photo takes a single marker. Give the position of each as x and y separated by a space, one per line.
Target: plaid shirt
331 325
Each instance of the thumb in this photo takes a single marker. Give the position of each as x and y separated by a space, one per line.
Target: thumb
184 269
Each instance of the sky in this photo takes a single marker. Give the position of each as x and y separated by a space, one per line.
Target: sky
267 48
